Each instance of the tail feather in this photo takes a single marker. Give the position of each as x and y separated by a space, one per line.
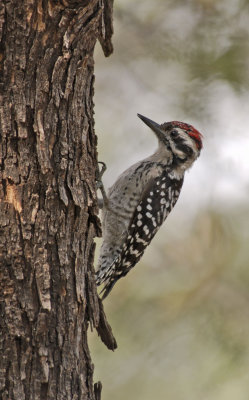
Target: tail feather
105 271
107 288
108 276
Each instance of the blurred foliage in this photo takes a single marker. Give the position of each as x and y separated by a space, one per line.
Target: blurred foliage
208 37
181 316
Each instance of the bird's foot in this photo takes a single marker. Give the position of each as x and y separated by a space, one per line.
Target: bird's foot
104 201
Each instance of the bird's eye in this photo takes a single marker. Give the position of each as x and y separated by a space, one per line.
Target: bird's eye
174 133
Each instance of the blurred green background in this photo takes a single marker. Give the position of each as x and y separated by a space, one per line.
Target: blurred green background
181 316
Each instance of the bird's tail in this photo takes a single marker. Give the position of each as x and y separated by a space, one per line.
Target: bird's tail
105 275
107 288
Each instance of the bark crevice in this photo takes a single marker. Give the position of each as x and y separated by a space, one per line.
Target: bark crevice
48 204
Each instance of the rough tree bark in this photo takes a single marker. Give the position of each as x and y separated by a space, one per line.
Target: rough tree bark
48 208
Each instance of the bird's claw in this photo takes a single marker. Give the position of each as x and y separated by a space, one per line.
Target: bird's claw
100 185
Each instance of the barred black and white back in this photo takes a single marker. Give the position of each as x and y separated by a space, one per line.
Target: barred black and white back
142 197
158 200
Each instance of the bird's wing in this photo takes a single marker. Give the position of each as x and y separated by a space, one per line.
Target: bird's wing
155 204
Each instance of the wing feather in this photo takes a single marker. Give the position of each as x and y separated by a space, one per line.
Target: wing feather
155 204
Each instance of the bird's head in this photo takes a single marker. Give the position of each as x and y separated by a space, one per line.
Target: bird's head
181 139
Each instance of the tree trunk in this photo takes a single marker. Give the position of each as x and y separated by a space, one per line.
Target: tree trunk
48 207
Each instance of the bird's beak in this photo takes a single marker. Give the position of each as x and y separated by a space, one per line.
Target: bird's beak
154 126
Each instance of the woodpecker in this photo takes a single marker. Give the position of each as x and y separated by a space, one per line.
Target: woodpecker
142 197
